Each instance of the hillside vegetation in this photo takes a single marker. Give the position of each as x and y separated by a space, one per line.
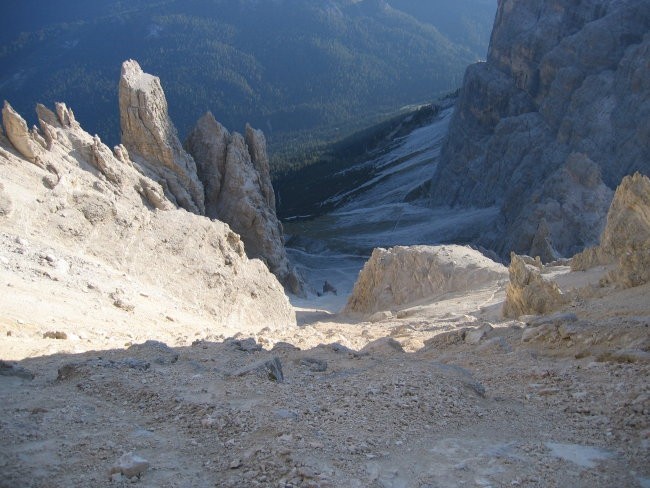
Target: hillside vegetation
303 71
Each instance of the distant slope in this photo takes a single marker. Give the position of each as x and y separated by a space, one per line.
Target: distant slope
290 67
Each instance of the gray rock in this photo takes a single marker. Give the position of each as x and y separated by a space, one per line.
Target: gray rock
269 368
541 333
474 336
246 345
55 334
551 123
529 292
556 319
19 135
9 369
385 345
380 316
314 364
625 242
82 369
162 353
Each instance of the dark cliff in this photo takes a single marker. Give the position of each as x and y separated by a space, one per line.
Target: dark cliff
552 122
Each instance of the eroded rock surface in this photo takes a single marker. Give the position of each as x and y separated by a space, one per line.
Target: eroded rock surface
625 242
19 134
552 121
92 212
393 278
235 172
529 292
151 138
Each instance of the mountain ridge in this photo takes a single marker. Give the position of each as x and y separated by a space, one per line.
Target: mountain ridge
550 124
293 67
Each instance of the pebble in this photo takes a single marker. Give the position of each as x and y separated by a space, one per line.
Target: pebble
130 465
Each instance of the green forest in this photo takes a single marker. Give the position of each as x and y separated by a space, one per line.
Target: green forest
303 71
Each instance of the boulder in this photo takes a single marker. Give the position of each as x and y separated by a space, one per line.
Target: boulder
151 138
394 278
625 242
529 292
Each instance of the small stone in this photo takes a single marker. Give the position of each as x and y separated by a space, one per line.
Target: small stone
236 464
120 303
474 336
271 368
130 465
381 316
55 335
385 345
315 365
246 345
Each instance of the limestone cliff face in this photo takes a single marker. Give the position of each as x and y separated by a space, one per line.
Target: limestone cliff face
222 176
150 137
551 122
238 191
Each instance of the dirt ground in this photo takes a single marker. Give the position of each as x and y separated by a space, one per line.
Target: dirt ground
443 394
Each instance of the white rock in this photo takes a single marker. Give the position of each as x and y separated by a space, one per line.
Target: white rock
130 465
396 277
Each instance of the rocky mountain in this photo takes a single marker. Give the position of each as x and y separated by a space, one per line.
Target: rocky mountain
299 69
550 124
71 200
229 180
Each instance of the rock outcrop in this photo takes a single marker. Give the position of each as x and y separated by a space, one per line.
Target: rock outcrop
98 207
552 122
238 191
21 138
152 141
625 242
530 293
394 278
221 175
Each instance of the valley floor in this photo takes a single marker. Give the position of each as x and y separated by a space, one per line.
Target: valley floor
403 402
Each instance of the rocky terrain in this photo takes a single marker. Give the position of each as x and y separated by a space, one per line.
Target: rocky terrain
94 226
437 391
550 124
143 343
